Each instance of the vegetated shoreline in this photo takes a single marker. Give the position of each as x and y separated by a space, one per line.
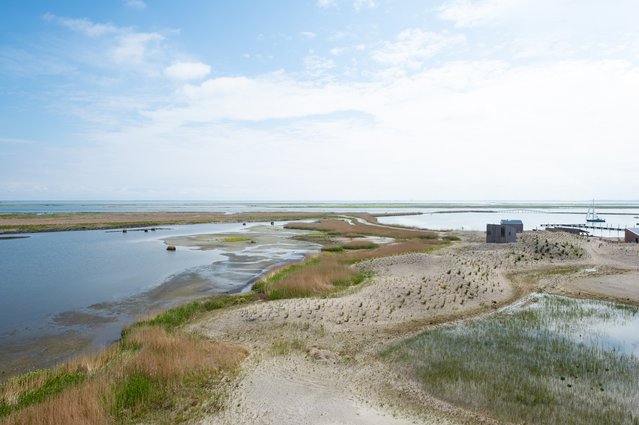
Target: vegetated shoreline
333 341
16 223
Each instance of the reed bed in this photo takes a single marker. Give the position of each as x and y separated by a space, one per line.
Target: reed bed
530 365
152 375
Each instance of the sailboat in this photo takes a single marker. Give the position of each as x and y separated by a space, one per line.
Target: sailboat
592 217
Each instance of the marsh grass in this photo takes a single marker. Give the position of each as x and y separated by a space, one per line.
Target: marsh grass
341 227
331 270
364 244
529 365
27 222
318 275
155 374
179 315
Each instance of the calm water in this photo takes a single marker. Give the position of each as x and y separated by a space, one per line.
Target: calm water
459 219
47 207
88 284
605 325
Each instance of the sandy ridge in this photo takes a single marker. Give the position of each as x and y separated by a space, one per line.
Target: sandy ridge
316 360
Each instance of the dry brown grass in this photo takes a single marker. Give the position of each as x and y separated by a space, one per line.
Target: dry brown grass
317 277
81 405
167 360
393 249
360 229
171 356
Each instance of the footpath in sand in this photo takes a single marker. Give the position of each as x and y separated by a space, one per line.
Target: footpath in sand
318 360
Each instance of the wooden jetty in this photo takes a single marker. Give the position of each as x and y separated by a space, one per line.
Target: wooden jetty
588 226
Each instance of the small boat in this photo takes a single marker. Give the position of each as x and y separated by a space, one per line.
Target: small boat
592 217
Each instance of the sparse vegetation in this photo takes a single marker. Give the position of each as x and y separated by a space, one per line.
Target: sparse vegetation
529 365
331 270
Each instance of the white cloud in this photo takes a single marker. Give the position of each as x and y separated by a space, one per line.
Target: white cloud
360 4
326 3
390 139
318 66
540 29
413 46
125 47
135 4
460 113
357 4
84 26
308 34
187 71
388 133
465 13
133 48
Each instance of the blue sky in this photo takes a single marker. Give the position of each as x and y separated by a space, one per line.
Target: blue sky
322 99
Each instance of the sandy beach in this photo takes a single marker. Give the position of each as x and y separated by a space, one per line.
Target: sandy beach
316 361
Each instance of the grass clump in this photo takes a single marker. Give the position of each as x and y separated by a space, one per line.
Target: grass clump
135 393
319 275
236 239
360 245
283 347
155 374
531 365
180 315
34 387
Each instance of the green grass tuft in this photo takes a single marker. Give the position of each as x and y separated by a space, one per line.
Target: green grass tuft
236 239
180 315
135 394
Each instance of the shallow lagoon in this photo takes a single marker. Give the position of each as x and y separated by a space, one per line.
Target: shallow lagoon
69 292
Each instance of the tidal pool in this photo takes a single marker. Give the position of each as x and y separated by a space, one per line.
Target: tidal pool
545 360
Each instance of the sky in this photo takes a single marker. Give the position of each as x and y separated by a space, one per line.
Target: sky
319 100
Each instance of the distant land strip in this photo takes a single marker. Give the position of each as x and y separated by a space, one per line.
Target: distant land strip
14 223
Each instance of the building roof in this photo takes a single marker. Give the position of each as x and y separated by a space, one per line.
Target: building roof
512 222
634 230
